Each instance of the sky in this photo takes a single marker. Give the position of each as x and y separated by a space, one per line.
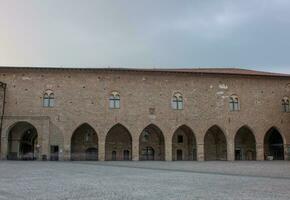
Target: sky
251 34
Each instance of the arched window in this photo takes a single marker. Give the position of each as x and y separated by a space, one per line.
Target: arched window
114 100
234 103
177 101
285 104
48 99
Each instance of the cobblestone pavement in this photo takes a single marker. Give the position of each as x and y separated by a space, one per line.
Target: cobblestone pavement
144 180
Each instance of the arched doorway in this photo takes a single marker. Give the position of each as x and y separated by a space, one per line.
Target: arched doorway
92 154
215 144
245 144
22 142
273 145
151 144
84 143
183 144
118 141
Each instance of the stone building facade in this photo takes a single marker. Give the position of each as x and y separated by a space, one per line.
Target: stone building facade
144 114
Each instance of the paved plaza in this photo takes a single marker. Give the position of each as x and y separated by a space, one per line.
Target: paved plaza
144 180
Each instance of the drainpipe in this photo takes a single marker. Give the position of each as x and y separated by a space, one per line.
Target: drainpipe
3 86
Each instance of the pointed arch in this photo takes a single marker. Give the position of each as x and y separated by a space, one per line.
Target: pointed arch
118 145
274 145
215 144
151 143
22 141
84 143
184 144
245 144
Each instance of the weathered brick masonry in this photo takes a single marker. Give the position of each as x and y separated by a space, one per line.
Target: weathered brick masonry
80 125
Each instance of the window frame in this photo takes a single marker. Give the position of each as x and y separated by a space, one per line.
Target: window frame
114 100
234 103
177 102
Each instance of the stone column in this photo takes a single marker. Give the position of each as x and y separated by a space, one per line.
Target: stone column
200 152
260 151
230 149
135 147
168 149
4 146
102 142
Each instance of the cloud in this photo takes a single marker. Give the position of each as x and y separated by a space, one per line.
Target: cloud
252 34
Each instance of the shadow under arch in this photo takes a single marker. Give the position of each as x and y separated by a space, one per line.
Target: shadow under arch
215 144
22 141
84 143
245 144
118 145
184 144
151 143
273 145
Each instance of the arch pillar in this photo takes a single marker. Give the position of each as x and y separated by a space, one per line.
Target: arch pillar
168 148
230 149
260 150
199 145
200 152
66 147
135 147
102 145
4 145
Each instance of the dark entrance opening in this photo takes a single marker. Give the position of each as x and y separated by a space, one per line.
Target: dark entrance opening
22 142
151 144
147 153
126 155
215 144
183 139
54 152
114 155
92 154
245 144
273 145
84 143
179 154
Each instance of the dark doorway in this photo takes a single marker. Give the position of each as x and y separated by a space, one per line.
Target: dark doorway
22 142
183 138
126 155
54 152
215 144
84 143
114 155
273 145
179 154
147 153
151 144
119 140
92 154
245 144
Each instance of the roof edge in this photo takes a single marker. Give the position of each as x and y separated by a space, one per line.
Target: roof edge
212 71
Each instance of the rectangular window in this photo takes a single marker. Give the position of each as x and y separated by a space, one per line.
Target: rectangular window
45 102
180 105
174 104
117 103
180 139
112 103
51 103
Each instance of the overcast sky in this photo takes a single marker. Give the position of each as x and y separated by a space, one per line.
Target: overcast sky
253 34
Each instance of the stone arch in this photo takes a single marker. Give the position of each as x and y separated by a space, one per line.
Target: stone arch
118 145
83 140
151 143
245 144
184 144
274 145
215 144
22 141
